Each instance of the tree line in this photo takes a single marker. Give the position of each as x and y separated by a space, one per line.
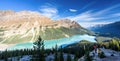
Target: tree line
39 53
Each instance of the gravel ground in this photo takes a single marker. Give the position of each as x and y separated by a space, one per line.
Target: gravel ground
107 53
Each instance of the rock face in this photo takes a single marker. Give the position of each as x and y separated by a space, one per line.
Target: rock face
68 23
26 26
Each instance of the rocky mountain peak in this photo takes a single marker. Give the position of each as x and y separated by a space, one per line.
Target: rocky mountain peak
26 26
31 18
68 23
6 12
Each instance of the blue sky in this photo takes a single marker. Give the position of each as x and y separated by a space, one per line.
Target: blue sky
82 11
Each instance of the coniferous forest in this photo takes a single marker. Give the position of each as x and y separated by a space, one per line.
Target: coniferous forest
39 53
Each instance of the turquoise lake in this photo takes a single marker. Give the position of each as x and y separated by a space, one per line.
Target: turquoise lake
60 42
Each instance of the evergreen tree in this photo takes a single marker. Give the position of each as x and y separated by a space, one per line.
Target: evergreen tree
39 47
38 44
69 57
87 57
61 54
56 54
75 59
5 56
42 53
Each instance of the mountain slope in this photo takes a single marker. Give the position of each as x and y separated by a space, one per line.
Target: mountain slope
26 26
112 29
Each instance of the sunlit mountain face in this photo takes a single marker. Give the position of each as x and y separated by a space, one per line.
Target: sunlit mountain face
22 21
27 26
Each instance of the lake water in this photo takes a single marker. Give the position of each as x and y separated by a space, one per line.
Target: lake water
59 42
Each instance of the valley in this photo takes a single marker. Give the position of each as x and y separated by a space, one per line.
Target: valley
26 32
59 30
59 42
26 26
108 30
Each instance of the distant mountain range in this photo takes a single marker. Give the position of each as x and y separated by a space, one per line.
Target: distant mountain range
26 26
111 30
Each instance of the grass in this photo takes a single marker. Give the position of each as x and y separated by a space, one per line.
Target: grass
1 30
16 39
55 33
1 39
103 39
52 34
49 34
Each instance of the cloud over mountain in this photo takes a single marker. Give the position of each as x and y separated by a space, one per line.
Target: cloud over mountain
49 11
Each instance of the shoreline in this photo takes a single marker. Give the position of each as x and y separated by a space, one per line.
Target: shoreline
5 46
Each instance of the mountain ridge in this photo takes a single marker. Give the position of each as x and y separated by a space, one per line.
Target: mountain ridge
26 26
111 30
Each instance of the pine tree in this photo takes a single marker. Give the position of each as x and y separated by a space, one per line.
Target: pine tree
56 54
69 57
87 57
42 53
5 56
75 59
39 47
38 44
61 54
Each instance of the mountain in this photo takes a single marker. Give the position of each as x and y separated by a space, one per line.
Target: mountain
26 26
112 29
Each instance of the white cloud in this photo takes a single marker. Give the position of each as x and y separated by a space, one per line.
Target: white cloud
116 14
88 16
107 10
85 16
87 5
92 16
72 10
49 11
91 24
